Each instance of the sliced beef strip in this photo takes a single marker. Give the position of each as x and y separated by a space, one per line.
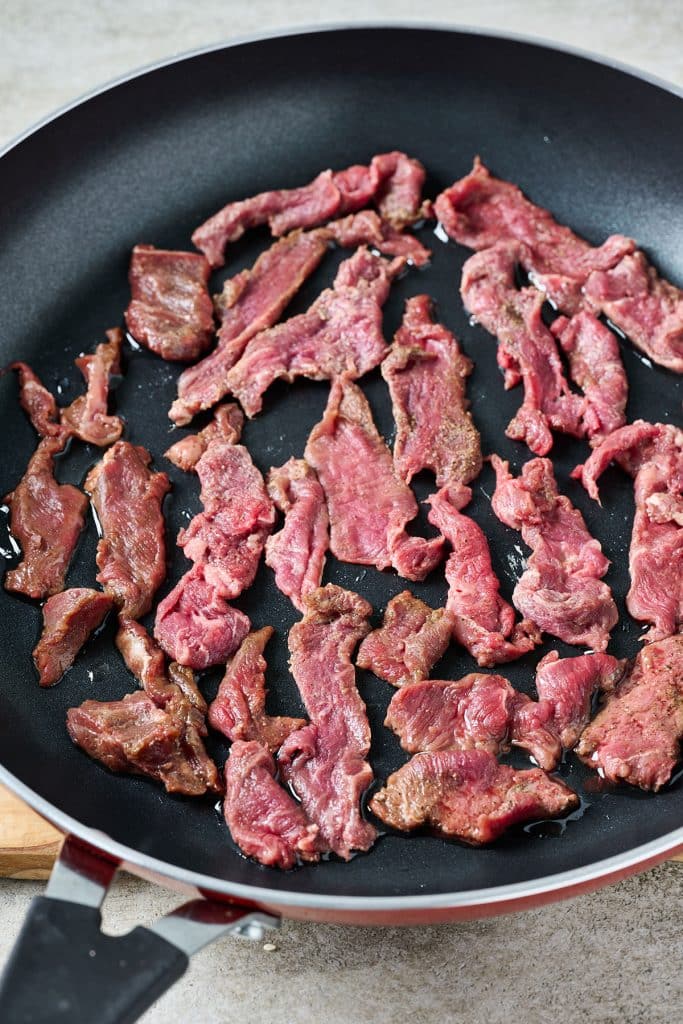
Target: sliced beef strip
367 228
483 621
653 454
297 552
636 737
369 507
392 180
567 685
170 311
466 794
341 332
642 305
561 589
595 365
250 302
69 618
131 554
480 211
46 519
38 403
410 641
239 708
134 735
264 820
477 712
326 762
226 425
194 624
87 416
427 373
527 350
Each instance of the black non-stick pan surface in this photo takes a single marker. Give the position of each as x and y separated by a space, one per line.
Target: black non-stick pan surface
147 161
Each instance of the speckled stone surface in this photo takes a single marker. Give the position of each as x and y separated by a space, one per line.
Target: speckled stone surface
610 958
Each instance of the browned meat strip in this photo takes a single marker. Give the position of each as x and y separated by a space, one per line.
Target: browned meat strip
483 621
170 311
368 505
468 795
561 589
69 618
410 641
226 425
297 552
131 554
194 624
264 820
653 454
426 373
636 737
326 762
340 333
87 416
239 708
37 402
392 180
479 211
46 518
136 736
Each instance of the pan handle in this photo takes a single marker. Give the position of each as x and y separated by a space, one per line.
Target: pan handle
64 969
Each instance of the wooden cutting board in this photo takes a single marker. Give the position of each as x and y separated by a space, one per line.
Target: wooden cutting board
29 845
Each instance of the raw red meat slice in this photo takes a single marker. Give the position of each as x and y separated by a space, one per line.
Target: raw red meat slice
194 623
170 311
636 736
264 820
561 589
483 622
226 425
134 735
653 454
426 373
367 228
368 505
87 416
326 763
567 685
482 712
468 795
341 332
641 304
410 641
250 302
69 618
595 365
131 554
392 180
46 519
297 552
479 211
239 708
527 350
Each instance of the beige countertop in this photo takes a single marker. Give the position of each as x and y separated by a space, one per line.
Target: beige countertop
609 958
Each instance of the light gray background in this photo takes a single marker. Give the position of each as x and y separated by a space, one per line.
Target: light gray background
610 958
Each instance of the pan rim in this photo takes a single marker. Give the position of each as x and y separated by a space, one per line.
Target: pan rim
518 891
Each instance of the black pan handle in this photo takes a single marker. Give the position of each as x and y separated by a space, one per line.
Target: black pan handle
64 969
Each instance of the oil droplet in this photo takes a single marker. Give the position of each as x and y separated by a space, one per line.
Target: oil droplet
440 232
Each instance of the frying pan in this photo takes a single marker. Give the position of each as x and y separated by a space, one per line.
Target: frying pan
147 160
